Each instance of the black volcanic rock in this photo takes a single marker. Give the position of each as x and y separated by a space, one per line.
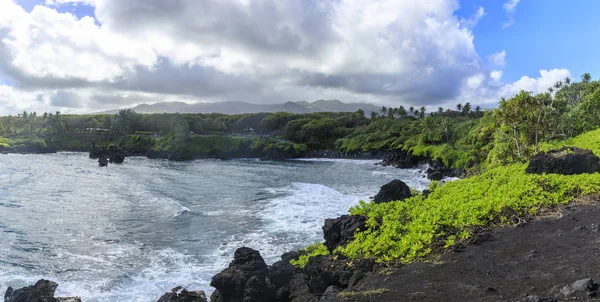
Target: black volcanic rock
244 279
566 161
42 291
102 161
394 190
180 294
339 231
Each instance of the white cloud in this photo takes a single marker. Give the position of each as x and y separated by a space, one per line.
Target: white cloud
540 84
385 51
498 58
510 7
496 75
473 20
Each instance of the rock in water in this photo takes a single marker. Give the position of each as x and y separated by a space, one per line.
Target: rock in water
117 156
103 161
566 161
339 231
42 291
394 190
243 280
180 294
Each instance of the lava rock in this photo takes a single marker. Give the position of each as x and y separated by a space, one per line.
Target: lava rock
401 159
325 271
565 161
586 287
180 294
117 156
394 190
243 280
102 161
339 231
42 291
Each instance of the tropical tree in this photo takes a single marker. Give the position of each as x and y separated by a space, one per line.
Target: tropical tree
586 78
459 107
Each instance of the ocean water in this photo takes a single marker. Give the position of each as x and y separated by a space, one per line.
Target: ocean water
132 232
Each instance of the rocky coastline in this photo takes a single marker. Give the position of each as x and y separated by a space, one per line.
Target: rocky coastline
533 262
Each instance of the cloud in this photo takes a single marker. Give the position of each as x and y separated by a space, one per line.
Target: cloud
540 84
510 7
130 52
473 20
498 58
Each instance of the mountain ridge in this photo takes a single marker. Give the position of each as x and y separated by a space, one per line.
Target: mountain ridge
233 107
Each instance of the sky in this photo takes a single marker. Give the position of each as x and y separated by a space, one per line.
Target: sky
78 56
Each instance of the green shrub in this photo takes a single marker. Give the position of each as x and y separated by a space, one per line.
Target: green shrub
317 249
409 230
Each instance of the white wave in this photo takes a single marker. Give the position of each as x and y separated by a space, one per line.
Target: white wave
340 160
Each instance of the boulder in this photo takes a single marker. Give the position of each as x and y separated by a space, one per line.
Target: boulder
180 294
103 161
394 190
117 156
42 291
97 152
566 161
322 272
339 231
244 279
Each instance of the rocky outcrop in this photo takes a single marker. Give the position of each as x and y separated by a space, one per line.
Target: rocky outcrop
580 290
244 279
116 155
437 171
103 161
394 190
180 294
42 291
566 161
322 272
339 231
113 153
402 159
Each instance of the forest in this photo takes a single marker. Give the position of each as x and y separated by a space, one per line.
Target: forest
462 137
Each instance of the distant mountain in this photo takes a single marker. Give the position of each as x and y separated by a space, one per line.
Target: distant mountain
242 107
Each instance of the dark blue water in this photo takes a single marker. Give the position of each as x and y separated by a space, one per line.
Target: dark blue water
132 232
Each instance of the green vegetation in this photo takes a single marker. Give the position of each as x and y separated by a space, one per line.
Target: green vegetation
317 249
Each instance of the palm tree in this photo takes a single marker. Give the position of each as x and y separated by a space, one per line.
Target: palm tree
567 81
422 112
401 111
459 107
374 115
478 110
440 110
586 78
445 126
466 108
384 110
551 90
391 112
558 84
412 110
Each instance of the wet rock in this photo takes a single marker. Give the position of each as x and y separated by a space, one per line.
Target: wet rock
97 152
180 294
117 156
566 161
243 280
394 190
339 231
401 159
434 174
42 291
102 161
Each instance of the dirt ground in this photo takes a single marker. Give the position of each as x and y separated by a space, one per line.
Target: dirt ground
508 264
